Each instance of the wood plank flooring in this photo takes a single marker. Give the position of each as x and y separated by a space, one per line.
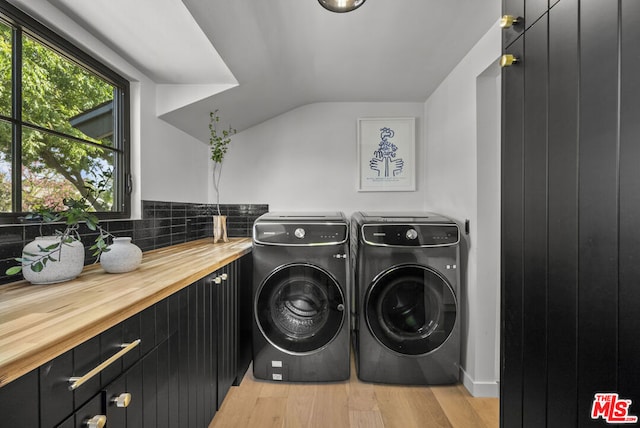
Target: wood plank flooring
352 404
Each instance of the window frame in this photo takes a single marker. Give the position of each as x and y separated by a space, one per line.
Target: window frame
20 24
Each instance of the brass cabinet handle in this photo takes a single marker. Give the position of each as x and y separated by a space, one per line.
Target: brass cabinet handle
122 400
217 280
78 381
508 21
98 421
507 60
224 276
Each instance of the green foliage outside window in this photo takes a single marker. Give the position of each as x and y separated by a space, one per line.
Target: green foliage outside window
67 129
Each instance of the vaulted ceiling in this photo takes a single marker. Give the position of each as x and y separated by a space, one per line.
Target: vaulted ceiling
256 59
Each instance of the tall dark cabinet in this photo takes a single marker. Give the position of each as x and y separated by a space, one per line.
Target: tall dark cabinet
570 211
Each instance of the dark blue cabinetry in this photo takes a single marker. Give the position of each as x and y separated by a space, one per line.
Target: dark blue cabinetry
570 213
177 376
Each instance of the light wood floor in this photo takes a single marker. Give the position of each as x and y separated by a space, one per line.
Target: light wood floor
258 404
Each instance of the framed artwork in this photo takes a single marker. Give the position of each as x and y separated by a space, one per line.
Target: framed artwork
386 154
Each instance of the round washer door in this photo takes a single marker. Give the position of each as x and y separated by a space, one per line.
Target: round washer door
299 308
411 309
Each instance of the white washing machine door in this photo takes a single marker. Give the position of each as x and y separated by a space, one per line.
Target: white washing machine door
299 308
411 309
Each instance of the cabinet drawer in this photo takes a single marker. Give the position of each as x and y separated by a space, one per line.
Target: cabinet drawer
56 399
95 363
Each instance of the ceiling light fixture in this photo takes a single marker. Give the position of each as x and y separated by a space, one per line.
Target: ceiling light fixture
341 6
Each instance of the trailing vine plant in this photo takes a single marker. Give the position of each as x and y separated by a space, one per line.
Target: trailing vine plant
218 142
72 213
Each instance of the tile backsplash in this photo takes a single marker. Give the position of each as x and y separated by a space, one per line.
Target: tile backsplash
162 224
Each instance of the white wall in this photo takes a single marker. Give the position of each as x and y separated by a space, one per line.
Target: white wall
167 164
305 159
453 132
173 165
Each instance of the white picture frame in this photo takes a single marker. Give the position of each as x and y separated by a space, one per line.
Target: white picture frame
386 154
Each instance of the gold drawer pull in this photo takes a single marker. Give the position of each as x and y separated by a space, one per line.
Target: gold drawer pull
78 381
98 421
508 60
122 400
508 21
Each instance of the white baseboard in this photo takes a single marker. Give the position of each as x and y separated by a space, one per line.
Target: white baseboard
481 389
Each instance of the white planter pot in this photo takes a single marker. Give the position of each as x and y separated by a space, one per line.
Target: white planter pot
68 263
123 256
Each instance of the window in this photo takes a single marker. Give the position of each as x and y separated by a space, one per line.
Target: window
63 123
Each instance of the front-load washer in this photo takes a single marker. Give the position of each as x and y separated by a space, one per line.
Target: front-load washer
301 323
405 298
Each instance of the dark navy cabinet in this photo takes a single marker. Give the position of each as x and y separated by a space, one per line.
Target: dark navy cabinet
570 214
178 375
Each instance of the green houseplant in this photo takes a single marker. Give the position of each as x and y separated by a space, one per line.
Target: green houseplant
60 257
218 142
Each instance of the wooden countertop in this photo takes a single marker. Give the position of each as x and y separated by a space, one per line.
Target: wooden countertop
40 322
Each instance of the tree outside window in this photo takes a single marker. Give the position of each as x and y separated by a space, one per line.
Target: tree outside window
68 129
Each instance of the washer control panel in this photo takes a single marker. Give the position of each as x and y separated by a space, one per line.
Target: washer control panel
306 234
411 235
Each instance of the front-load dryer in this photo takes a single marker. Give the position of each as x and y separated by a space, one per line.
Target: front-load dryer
405 298
301 323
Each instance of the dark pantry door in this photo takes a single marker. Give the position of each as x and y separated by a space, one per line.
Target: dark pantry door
570 212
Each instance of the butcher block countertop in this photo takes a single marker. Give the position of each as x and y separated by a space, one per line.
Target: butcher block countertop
40 322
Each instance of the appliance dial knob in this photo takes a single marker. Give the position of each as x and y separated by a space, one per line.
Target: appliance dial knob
299 232
411 234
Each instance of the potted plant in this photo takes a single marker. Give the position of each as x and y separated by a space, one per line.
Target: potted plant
218 142
60 257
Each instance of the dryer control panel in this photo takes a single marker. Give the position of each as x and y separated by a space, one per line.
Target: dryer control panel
411 235
300 234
